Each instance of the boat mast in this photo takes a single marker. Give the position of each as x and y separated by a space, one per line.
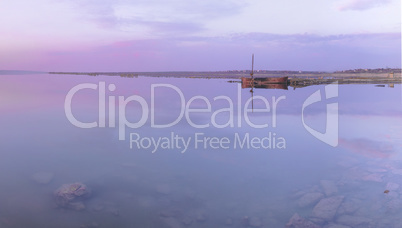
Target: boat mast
252 82
252 67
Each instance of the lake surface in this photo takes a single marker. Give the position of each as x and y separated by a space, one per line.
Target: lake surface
185 152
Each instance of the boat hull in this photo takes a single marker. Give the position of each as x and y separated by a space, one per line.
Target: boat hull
269 83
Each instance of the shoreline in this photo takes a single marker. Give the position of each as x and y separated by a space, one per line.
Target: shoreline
294 80
236 75
303 82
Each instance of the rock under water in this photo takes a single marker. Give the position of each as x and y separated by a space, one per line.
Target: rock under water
72 195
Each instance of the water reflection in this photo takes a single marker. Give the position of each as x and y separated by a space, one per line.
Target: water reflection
305 184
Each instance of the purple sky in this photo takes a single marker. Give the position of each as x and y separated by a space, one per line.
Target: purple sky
189 35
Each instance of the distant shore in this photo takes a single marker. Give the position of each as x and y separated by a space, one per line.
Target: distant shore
238 75
296 80
17 72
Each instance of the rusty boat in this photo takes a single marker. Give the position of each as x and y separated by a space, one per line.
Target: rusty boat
263 82
267 83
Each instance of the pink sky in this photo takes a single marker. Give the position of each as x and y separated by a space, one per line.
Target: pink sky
178 35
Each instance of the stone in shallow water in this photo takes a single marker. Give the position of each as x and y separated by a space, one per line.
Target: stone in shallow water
333 225
187 221
200 216
377 170
329 187
255 222
115 212
376 177
229 222
397 171
394 205
392 195
296 221
92 225
350 206
349 162
163 189
72 195
298 194
169 213
145 201
326 208
98 207
353 221
172 222
78 206
392 186
309 199
43 177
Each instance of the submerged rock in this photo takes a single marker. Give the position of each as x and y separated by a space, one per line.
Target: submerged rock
350 206
333 225
397 171
392 186
255 222
392 195
200 216
377 170
92 225
98 208
78 206
296 221
329 187
187 221
229 222
170 212
163 189
245 221
115 212
43 177
375 177
309 199
172 222
394 205
326 208
72 195
298 194
354 221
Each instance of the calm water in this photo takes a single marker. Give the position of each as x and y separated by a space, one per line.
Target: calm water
245 177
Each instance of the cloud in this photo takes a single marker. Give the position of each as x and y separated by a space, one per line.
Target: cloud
157 17
306 38
197 53
362 4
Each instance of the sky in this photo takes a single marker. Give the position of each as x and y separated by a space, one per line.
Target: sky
203 35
